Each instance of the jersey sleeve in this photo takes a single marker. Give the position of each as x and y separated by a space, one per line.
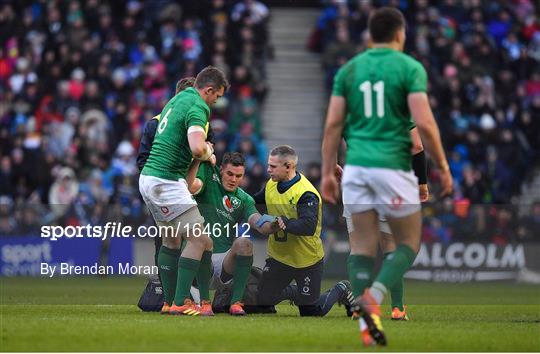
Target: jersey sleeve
196 116
249 207
338 89
417 78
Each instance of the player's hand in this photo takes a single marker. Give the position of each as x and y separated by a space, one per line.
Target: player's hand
275 225
281 223
424 192
212 160
447 182
330 189
338 172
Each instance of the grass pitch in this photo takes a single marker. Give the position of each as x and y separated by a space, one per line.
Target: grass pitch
91 314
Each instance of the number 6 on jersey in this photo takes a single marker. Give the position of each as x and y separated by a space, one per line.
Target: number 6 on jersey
163 123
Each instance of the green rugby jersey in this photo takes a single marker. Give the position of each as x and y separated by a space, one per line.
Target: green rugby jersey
222 210
170 155
376 84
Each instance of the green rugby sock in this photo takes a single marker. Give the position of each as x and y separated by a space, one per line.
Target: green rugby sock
187 269
360 269
242 268
204 275
167 261
395 266
396 291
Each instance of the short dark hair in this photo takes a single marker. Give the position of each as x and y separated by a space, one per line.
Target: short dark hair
285 152
384 23
184 83
233 158
211 76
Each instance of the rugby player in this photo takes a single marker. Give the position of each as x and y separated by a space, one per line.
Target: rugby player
374 95
180 137
224 205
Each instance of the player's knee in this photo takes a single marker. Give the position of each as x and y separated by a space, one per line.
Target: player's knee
243 247
209 244
309 310
198 238
387 243
172 242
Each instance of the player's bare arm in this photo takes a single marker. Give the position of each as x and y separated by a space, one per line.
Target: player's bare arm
194 184
267 228
419 106
335 120
200 148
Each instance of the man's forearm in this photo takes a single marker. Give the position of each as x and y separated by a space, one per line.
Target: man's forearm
330 145
267 228
303 226
192 171
332 134
427 127
200 149
308 216
431 139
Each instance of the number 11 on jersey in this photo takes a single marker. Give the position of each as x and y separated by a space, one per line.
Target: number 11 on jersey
366 89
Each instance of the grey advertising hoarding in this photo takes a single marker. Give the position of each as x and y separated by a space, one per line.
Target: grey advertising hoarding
456 262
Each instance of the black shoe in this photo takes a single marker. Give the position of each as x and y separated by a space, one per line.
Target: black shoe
347 297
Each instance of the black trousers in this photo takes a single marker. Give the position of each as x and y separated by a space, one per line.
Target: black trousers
276 276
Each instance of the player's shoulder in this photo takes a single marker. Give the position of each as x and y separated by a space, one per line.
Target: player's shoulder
407 60
351 63
244 196
194 100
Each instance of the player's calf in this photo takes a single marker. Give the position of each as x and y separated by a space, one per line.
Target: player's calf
192 255
238 262
203 245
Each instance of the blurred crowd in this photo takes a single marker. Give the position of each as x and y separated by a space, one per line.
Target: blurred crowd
483 64
78 80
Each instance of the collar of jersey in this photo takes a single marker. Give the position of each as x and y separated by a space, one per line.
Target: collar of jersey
284 186
381 49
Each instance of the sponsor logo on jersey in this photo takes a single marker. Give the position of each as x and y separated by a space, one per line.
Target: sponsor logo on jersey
230 203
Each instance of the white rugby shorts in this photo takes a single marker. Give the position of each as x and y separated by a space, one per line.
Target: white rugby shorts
217 267
164 198
391 193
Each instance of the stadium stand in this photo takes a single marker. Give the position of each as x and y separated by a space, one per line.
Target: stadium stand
77 85
483 63
76 88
